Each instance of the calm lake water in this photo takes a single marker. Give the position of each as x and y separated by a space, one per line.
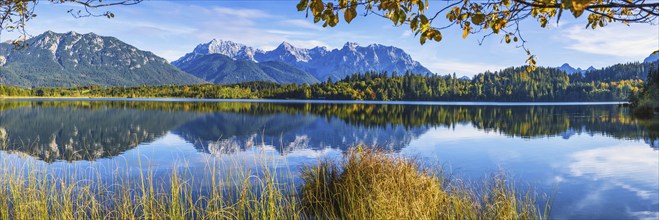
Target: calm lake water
599 161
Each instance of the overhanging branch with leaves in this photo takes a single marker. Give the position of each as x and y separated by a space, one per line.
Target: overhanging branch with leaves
494 17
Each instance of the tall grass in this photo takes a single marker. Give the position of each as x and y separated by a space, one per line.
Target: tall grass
364 184
371 184
221 191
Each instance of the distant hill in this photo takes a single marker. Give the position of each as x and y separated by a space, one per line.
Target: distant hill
571 70
654 57
617 72
320 62
221 69
71 59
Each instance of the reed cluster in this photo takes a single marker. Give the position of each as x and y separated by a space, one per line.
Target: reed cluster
371 184
364 184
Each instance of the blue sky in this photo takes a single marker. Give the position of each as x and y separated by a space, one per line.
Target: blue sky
172 28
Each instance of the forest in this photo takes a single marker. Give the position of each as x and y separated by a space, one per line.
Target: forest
515 84
646 102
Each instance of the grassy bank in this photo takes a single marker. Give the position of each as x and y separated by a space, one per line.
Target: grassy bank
364 184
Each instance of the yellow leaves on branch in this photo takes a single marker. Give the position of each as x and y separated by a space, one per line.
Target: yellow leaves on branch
22 7
531 61
15 14
495 15
466 30
477 18
472 16
349 14
397 11
468 14
325 11
577 7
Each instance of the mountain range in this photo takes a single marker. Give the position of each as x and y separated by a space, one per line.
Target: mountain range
221 69
71 59
571 70
319 62
654 57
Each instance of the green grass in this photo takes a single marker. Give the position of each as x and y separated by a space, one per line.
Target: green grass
364 184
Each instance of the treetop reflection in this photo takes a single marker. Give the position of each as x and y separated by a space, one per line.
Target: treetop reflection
86 130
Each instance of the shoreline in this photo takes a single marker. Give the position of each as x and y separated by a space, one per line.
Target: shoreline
39 97
318 101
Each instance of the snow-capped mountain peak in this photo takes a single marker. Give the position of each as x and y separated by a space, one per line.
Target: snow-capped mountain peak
321 62
318 51
287 53
323 48
231 49
351 45
286 45
228 48
89 58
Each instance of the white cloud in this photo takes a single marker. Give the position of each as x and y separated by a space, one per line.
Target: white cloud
172 55
621 166
635 41
459 132
309 153
289 33
644 215
407 33
302 24
241 13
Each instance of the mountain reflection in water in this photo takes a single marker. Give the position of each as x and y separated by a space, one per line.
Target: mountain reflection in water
54 130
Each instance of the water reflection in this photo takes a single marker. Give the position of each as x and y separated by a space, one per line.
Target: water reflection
87 130
222 133
78 133
604 162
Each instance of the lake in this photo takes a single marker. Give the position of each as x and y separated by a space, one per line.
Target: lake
597 160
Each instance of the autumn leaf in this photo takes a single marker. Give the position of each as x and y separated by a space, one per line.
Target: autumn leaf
350 14
477 19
